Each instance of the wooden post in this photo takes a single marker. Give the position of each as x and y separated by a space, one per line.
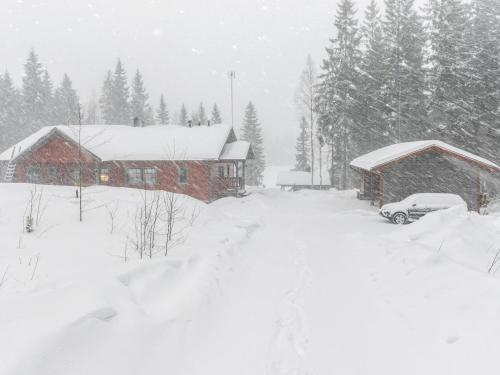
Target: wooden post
478 192
237 178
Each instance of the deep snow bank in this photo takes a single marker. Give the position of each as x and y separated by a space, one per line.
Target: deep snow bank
465 237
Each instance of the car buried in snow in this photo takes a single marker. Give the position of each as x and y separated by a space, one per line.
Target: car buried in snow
417 205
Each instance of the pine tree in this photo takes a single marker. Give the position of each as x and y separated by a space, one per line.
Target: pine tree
105 103
120 110
405 74
139 106
183 116
338 92
202 115
302 148
162 115
10 112
216 117
252 133
33 96
372 82
66 103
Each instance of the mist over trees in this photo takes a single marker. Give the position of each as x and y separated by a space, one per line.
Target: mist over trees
407 74
38 103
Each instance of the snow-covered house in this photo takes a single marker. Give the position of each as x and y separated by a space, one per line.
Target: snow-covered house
205 162
394 172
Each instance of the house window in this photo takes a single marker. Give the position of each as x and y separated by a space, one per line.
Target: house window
104 176
221 171
134 176
52 172
228 170
150 176
183 175
75 175
33 175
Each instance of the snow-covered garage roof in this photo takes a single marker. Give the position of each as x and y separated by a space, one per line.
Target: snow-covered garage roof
385 155
160 142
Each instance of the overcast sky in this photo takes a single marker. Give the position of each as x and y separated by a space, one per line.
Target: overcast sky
184 49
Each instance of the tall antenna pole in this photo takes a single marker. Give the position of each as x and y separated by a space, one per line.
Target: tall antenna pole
232 77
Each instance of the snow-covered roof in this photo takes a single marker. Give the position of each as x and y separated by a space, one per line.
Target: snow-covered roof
385 155
124 142
293 178
238 150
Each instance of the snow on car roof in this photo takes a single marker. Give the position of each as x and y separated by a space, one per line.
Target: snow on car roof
446 198
124 142
396 151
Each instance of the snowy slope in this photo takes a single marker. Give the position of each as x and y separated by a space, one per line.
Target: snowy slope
275 283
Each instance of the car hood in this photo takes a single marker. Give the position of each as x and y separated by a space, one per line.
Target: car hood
391 207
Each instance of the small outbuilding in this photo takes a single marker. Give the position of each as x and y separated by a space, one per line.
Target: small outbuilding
392 173
298 180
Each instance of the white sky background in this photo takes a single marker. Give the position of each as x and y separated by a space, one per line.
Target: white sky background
184 49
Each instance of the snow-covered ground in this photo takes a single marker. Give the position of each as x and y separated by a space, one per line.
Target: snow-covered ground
276 283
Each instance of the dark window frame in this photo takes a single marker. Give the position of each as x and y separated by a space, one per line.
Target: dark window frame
147 181
183 175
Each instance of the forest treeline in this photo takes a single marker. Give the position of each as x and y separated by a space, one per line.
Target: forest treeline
400 75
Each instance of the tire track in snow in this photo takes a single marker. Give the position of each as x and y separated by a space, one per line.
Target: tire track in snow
288 351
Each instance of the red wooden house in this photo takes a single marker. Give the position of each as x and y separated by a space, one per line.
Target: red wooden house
205 162
394 172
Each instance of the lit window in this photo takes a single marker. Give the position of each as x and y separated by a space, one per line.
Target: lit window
183 175
104 176
150 176
134 176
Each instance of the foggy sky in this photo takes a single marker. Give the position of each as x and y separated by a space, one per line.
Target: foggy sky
184 49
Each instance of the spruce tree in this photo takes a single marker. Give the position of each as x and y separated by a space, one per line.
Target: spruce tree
305 96
195 119
405 74
48 116
120 110
216 117
139 106
183 116
448 109
162 115
202 114
33 96
338 93
10 113
372 83
302 148
252 132
105 103
66 103
483 83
